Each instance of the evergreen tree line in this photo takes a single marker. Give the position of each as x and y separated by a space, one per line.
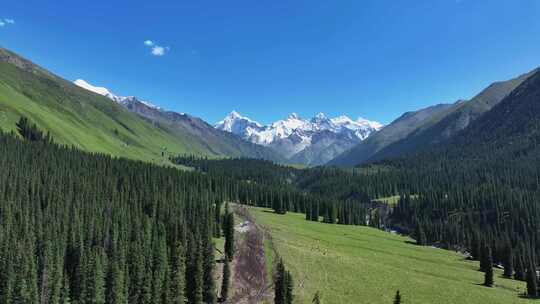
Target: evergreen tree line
77 227
455 198
326 194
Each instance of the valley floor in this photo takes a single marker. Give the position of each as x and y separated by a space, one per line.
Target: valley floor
354 264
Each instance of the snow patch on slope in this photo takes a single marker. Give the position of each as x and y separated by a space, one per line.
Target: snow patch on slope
124 100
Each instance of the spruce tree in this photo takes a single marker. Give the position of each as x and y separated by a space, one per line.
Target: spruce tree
95 278
420 235
484 258
508 261
289 285
116 293
280 284
519 273
209 286
218 219
225 280
397 298
228 231
316 298
194 271
488 267
532 284
488 277
178 269
160 266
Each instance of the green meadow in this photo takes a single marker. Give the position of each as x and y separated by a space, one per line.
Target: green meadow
354 264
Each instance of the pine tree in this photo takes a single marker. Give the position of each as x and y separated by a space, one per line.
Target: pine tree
397 298
316 298
488 268
194 272
160 266
178 269
209 286
217 215
226 280
508 261
519 273
420 235
279 284
484 258
532 285
116 292
228 231
95 278
289 296
315 211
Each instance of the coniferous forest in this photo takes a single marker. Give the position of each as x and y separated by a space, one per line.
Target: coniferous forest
477 193
89 228
82 228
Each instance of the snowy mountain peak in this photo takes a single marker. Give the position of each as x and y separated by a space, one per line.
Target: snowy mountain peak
370 123
341 119
123 100
98 90
320 115
293 116
238 124
294 134
234 114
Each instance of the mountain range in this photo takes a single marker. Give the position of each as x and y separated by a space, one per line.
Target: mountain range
422 129
309 142
93 119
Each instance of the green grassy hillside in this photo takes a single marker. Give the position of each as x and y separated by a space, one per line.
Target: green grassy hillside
353 264
82 119
94 123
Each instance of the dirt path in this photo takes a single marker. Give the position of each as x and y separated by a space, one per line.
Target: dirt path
250 283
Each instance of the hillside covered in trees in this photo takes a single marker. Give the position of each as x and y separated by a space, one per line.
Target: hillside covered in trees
477 193
89 228
84 228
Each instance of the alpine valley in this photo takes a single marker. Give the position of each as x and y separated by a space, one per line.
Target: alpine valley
114 191
111 199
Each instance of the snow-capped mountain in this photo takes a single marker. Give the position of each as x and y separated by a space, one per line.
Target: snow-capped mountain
294 136
188 128
124 100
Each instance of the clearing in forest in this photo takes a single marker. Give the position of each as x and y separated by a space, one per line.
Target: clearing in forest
354 264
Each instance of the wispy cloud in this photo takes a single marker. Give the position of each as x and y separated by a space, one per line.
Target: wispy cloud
6 21
156 50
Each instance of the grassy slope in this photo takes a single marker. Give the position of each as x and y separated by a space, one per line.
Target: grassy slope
448 123
352 264
80 118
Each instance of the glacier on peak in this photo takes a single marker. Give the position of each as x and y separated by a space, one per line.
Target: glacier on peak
294 134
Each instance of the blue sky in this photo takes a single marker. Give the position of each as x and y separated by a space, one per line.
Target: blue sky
265 59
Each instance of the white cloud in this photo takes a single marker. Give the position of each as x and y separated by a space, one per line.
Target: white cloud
158 50
4 22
